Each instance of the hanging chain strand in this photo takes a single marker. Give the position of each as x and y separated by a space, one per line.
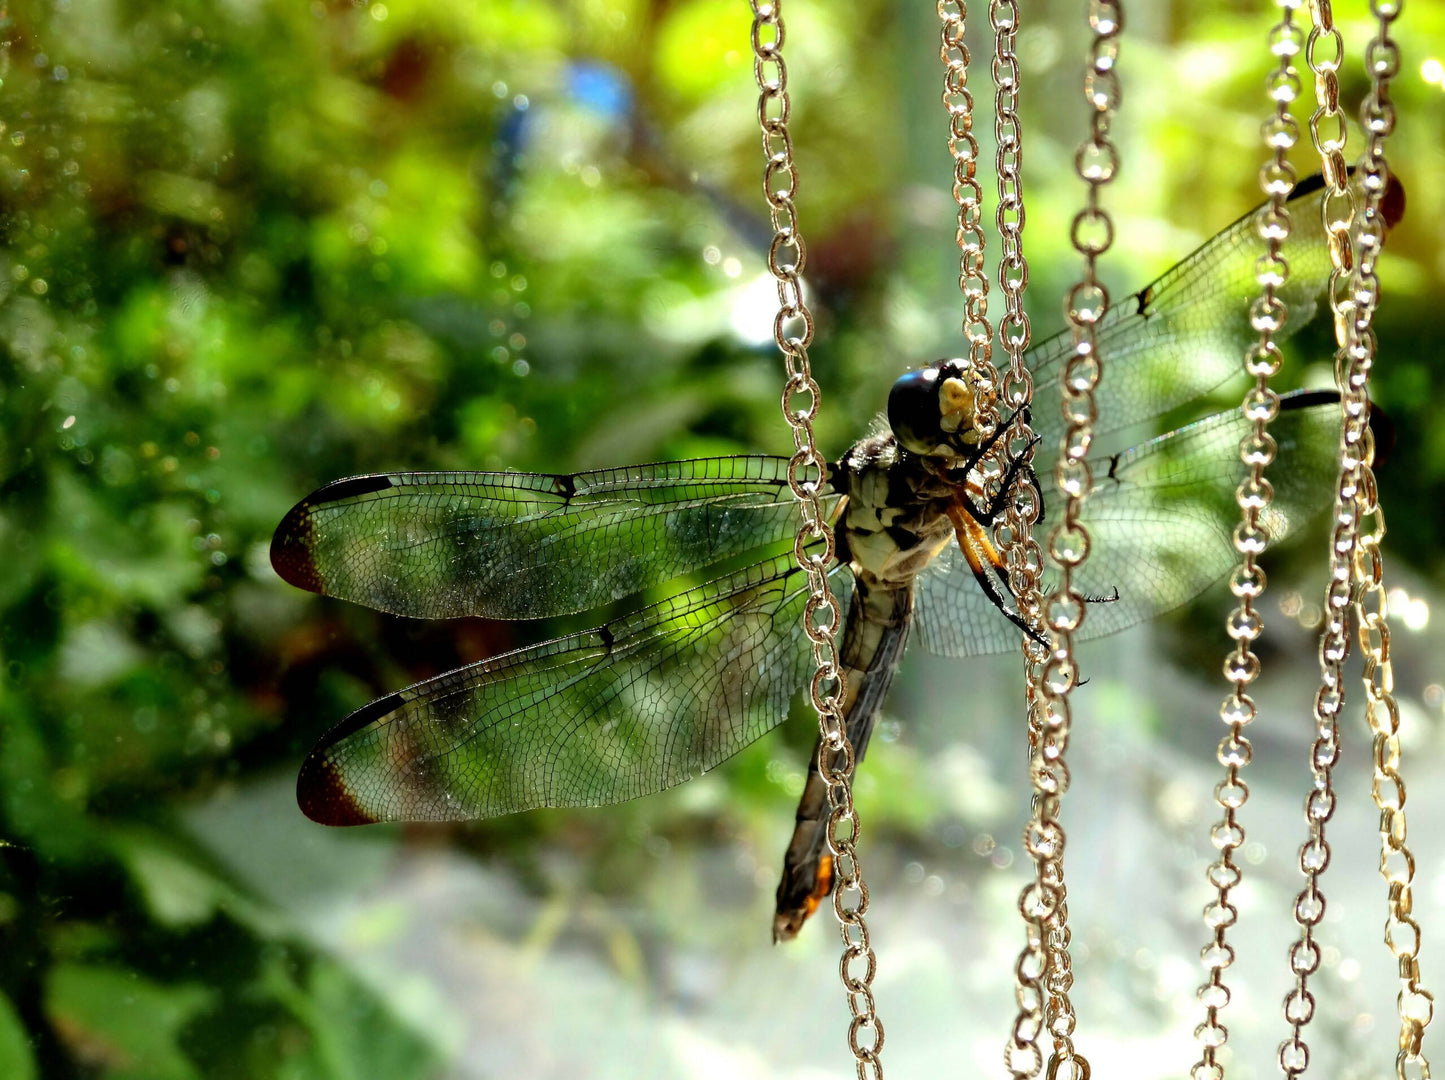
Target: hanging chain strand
1251 536
814 547
1044 959
1327 132
1043 973
1414 1003
1014 534
968 195
1356 566
1314 854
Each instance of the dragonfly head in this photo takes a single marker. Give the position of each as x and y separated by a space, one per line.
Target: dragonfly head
934 410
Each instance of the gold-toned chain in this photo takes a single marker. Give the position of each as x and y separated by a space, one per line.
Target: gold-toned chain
1044 960
814 547
1356 566
1414 1003
1014 533
968 196
1256 450
1324 51
1043 973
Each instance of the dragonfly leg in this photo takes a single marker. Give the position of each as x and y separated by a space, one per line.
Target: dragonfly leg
1018 467
982 555
979 452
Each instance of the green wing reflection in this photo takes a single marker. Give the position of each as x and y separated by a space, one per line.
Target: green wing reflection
526 545
1160 519
1184 336
630 708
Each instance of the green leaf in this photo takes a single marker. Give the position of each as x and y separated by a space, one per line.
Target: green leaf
122 1025
16 1060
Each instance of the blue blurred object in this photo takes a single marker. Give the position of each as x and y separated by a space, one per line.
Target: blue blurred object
600 87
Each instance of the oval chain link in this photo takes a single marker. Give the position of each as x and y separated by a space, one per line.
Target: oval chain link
1324 52
814 547
1414 1003
968 196
1356 236
1044 960
1043 972
1257 449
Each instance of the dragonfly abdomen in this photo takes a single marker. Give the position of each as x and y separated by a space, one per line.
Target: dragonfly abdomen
873 641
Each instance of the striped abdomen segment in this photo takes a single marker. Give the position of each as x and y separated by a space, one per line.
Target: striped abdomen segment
876 631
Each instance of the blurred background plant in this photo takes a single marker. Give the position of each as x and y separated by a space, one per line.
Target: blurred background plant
250 247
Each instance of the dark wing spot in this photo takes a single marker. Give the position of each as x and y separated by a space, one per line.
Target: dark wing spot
291 549
291 545
1145 298
565 486
1383 428
1308 399
1392 205
323 796
349 488
607 637
1308 186
321 791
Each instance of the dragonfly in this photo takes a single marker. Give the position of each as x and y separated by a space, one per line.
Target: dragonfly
702 649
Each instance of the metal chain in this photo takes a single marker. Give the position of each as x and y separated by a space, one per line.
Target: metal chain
1356 566
968 195
1044 960
1256 451
814 546
1015 533
1043 973
1414 1003
1327 132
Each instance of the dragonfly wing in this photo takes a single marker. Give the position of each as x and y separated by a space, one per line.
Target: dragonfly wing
1160 521
1183 336
630 708
525 545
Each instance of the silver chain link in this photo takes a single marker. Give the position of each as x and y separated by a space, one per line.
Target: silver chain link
1044 960
814 546
1414 1004
968 196
1251 536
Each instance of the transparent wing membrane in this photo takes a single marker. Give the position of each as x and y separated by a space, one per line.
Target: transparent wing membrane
1160 518
1184 336
527 545
652 698
628 709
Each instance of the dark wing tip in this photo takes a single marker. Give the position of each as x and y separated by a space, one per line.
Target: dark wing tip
321 790
291 545
291 549
1383 430
1392 204
323 796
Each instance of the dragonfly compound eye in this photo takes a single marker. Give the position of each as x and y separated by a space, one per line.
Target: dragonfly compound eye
937 406
913 410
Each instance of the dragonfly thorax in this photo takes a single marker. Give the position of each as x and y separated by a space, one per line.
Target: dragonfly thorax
895 519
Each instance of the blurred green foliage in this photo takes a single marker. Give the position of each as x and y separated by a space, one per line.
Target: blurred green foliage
249 247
